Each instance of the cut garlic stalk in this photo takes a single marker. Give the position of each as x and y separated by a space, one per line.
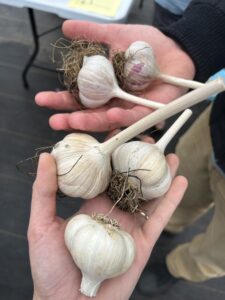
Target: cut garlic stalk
141 68
97 84
83 164
172 131
99 248
172 108
147 163
191 84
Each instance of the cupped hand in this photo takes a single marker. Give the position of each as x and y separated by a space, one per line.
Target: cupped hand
171 59
55 275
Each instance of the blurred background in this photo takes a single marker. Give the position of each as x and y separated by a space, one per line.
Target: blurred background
24 127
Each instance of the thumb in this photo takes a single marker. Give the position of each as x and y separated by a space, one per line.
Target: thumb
90 30
43 204
166 206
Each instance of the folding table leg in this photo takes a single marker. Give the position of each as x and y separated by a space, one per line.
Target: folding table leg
36 47
141 3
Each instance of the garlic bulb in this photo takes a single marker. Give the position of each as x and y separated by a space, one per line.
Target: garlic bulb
141 68
83 169
96 81
99 248
83 164
147 162
97 84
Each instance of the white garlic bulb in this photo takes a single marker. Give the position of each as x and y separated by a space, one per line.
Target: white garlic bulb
95 81
140 66
99 248
83 164
97 84
147 163
83 169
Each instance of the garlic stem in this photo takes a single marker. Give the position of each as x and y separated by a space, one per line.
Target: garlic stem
191 84
117 92
174 107
171 132
89 286
98 91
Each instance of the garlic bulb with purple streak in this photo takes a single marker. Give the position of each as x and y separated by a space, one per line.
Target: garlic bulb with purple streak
141 68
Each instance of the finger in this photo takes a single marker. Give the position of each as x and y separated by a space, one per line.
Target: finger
146 138
126 117
112 133
43 204
101 119
173 162
60 122
90 30
88 121
57 100
92 121
161 125
164 210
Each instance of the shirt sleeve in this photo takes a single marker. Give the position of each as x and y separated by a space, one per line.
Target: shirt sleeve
201 33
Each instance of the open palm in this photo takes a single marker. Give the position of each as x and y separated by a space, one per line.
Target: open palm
54 273
117 113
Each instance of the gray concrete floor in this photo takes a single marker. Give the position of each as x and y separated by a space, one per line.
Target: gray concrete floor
24 127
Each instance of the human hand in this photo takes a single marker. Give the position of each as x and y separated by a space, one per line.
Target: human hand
117 113
55 275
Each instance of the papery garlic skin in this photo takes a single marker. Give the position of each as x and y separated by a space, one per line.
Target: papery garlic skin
100 251
146 162
140 66
96 81
83 169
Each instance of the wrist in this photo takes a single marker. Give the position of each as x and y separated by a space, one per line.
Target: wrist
55 296
36 297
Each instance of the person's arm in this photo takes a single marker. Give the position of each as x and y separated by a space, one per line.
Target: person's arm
201 34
